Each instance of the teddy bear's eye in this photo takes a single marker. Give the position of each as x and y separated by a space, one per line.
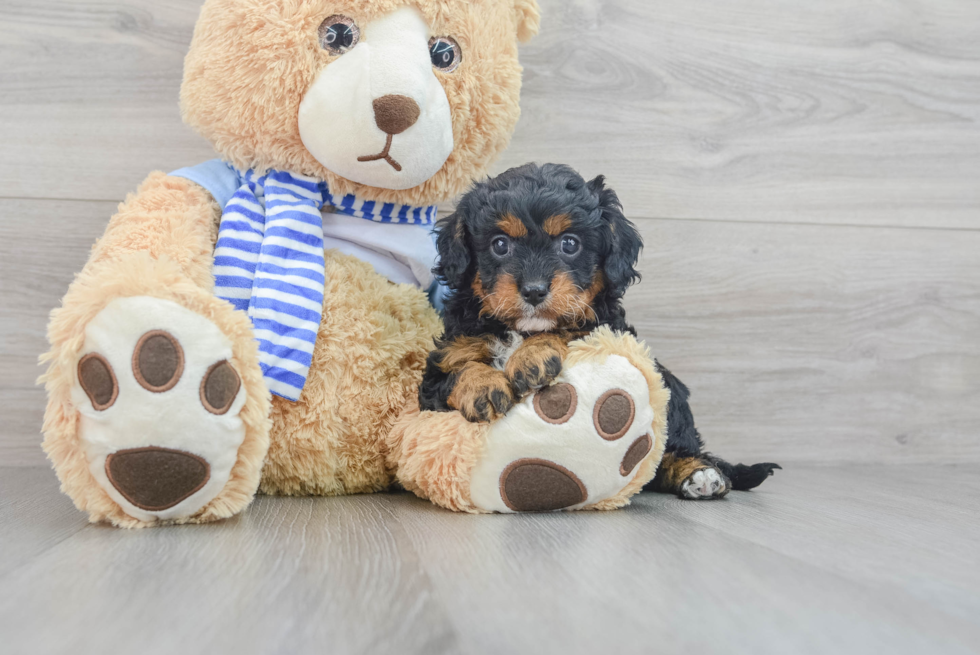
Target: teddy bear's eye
338 34
445 53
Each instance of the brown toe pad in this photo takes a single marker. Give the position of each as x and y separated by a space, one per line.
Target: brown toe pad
537 485
98 381
556 404
155 478
219 387
635 454
613 414
158 361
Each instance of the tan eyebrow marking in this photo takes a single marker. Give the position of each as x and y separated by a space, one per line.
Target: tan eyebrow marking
512 226
555 225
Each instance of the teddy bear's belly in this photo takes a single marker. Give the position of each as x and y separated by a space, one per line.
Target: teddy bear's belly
367 363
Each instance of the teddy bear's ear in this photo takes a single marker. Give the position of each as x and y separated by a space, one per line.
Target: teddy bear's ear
528 19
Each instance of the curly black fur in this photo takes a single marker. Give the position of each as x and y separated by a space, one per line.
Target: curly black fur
610 249
533 194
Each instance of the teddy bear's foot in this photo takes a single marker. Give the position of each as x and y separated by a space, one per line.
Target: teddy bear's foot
159 400
705 484
572 445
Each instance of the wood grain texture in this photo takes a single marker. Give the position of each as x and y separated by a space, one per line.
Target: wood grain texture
820 560
43 243
818 343
800 342
89 96
777 110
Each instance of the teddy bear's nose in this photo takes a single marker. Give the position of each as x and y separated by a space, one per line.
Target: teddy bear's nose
394 114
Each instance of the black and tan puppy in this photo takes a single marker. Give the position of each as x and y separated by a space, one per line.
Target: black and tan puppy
534 259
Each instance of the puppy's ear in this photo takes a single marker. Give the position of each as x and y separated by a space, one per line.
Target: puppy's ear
452 242
624 244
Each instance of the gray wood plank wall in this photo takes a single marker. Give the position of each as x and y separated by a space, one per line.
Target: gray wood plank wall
806 177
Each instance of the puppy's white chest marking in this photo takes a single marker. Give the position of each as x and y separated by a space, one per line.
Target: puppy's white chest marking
504 349
536 324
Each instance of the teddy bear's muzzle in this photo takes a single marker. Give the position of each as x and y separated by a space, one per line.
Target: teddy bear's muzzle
155 479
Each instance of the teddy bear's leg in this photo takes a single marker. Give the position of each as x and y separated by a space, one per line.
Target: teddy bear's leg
434 454
370 352
157 410
589 441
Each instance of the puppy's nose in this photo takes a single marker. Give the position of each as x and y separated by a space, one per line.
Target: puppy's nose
535 292
394 114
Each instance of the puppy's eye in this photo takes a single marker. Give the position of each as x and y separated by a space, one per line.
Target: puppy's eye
445 53
338 34
570 245
500 246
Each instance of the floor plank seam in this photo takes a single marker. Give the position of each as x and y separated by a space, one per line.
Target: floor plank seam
633 216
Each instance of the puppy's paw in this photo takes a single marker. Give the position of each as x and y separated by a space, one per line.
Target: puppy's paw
482 395
705 484
533 366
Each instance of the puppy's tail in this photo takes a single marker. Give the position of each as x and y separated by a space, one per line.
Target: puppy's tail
744 477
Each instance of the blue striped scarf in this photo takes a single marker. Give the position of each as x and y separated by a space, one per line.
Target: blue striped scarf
269 262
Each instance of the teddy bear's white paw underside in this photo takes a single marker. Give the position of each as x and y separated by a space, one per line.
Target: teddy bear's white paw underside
572 444
159 401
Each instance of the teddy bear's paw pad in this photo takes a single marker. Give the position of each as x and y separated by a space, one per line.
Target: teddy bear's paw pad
537 485
556 404
635 454
156 478
705 484
575 443
219 388
98 381
159 399
614 414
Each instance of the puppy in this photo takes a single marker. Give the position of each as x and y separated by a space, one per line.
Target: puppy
534 259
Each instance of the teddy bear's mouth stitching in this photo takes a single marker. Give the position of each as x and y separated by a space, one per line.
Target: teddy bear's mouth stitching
384 154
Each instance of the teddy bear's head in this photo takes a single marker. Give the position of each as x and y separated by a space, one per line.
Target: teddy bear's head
403 101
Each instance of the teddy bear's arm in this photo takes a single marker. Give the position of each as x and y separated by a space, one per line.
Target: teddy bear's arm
168 218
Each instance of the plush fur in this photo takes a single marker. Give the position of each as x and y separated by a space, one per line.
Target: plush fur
533 208
249 66
434 453
158 244
368 360
603 342
251 62
503 255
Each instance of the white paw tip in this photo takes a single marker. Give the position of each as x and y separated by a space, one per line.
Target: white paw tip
706 483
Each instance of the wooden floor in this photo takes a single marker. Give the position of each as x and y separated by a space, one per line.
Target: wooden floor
818 560
806 177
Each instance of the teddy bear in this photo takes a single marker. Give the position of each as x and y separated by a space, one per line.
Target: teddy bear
257 323
261 322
